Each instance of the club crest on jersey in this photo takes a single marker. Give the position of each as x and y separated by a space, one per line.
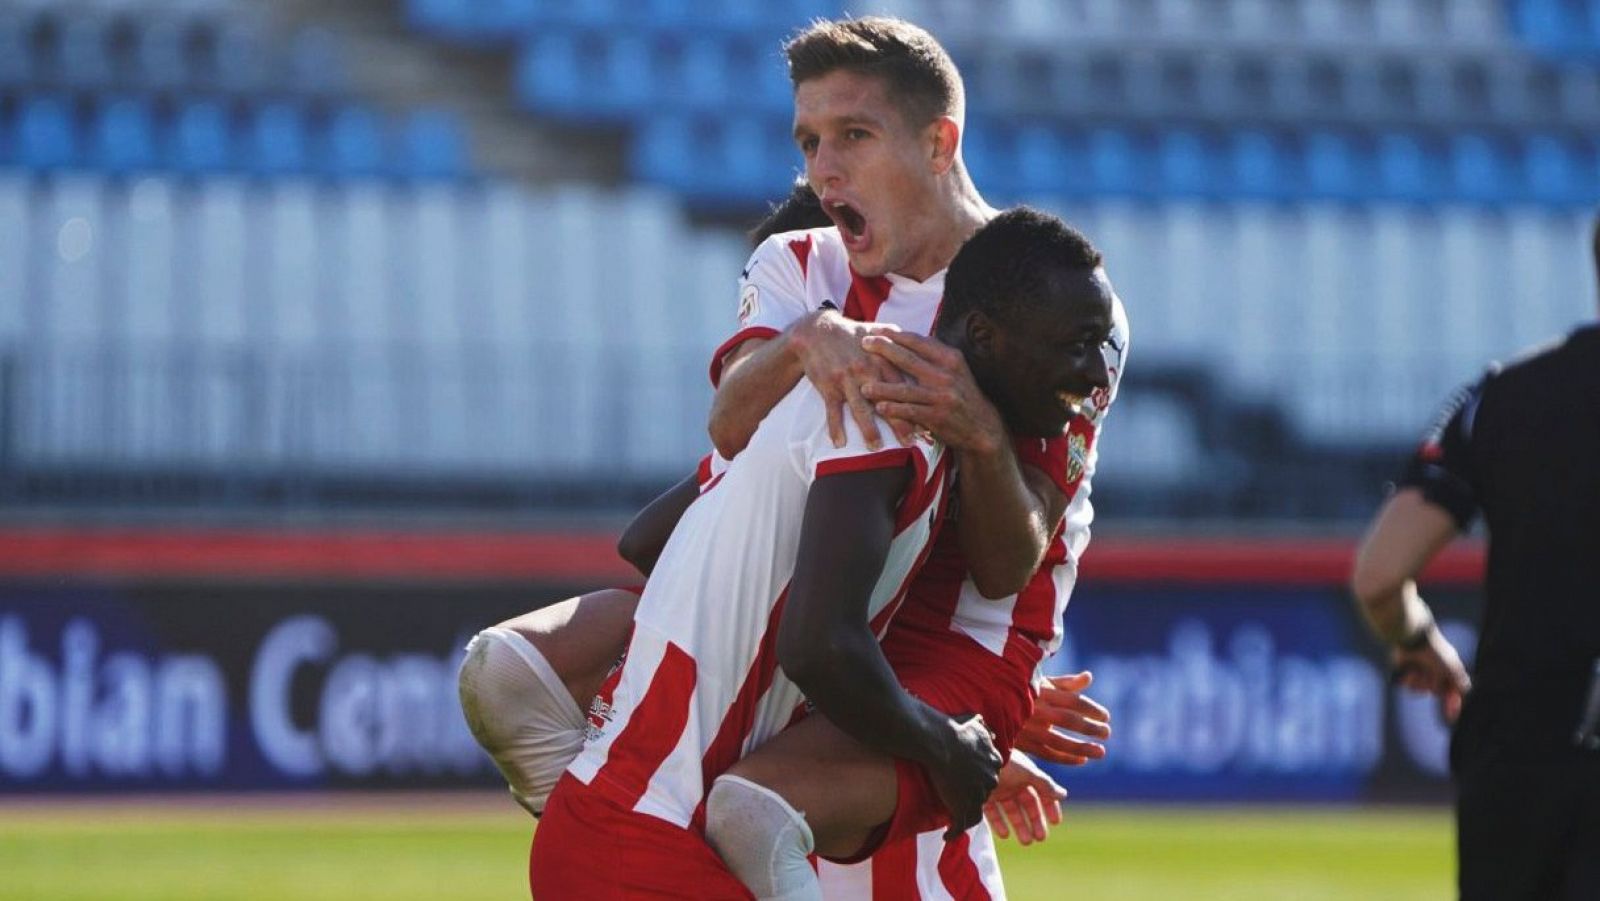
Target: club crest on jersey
1077 456
749 303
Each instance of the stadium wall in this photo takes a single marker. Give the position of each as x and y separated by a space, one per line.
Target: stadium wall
206 660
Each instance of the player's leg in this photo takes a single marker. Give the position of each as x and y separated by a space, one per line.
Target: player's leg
525 683
811 788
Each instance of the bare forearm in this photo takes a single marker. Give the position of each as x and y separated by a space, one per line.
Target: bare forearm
1005 525
647 534
849 681
1407 533
752 384
1396 615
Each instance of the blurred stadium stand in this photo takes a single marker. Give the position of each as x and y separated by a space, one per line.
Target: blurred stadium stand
474 254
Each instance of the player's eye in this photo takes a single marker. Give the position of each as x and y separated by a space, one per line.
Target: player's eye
857 134
808 145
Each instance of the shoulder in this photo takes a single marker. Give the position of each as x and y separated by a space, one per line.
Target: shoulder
799 249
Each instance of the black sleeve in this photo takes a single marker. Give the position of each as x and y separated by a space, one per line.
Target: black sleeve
1441 468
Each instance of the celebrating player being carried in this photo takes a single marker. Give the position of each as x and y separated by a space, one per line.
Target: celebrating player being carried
891 112
799 553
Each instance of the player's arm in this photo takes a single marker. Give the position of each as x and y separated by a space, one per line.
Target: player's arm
823 346
826 645
647 533
1008 510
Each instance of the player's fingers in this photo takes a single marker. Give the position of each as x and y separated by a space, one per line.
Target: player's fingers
1073 682
861 412
912 413
904 432
1033 814
835 409
997 820
1052 806
896 392
927 348
906 361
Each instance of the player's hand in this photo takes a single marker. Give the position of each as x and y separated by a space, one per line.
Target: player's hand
1434 668
941 396
829 347
1028 798
1062 705
964 770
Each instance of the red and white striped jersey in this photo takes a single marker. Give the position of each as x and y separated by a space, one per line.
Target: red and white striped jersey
1025 628
795 273
922 867
701 685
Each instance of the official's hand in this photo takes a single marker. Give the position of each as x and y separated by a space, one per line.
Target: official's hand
965 771
829 347
941 396
1434 668
1062 705
1028 798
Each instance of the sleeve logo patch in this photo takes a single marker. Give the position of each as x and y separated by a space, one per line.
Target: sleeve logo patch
749 304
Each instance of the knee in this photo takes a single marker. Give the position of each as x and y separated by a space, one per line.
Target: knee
519 713
762 839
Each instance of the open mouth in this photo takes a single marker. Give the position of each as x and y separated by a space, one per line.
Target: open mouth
1071 403
852 224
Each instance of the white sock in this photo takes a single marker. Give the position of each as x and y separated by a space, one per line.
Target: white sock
762 839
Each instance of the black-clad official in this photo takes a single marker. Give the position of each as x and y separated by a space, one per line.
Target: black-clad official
1521 447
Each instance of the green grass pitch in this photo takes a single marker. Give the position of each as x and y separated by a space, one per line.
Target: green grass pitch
473 847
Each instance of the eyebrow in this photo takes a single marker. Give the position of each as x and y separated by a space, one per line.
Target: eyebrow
841 122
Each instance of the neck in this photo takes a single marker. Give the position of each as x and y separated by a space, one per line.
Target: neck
956 212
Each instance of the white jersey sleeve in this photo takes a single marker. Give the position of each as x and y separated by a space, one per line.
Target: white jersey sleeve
772 293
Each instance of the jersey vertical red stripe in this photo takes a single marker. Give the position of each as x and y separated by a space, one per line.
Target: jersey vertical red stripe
652 731
867 294
894 871
958 873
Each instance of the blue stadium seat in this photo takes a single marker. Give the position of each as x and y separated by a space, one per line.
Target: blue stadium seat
1116 165
276 140
1546 24
547 77
707 78
159 55
16 50
83 52
1262 166
662 151
354 143
201 139
46 134
314 63
1478 167
432 146
1551 171
1048 161
1405 171
1332 166
628 76
1186 165
122 136
240 59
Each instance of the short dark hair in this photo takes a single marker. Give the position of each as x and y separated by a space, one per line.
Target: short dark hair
1005 268
801 209
923 81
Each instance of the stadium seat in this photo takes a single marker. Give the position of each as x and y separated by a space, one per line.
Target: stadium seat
276 140
159 54
239 59
432 146
1479 170
1185 164
1260 165
1404 170
16 50
547 76
46 135
706 77
1331 166
1115 165
314 63
662 151
1551 172
122 137
201 140
83 52
1048 161
354 143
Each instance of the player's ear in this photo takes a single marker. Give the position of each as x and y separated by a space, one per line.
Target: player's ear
981 336
944 138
